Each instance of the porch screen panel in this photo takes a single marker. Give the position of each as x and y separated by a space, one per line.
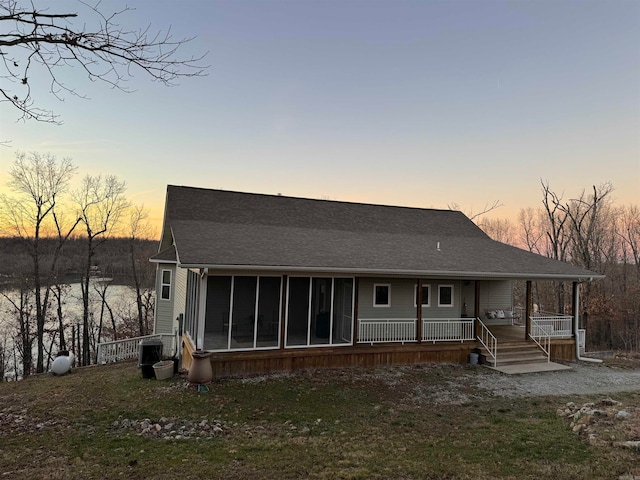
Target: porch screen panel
216 326
268 324
191 306
342 310
298 311
320 311
244 312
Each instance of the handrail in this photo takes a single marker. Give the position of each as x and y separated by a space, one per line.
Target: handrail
536 328
489 341
117 350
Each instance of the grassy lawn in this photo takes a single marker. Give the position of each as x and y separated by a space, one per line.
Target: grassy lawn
351 424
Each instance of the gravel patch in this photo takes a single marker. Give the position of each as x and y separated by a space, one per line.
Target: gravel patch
582 379
468 384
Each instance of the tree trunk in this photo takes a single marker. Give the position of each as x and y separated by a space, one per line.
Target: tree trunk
136 282
86 357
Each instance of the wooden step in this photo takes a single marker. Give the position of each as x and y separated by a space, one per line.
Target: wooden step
515 353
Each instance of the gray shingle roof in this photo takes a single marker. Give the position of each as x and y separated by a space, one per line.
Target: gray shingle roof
214 228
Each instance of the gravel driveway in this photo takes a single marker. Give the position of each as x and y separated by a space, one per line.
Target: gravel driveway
583 378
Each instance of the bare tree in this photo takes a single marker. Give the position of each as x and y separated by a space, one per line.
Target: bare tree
100 287
499 229
21 308
139 228
59 291
475 217
37 181
42 42
100 202
557 232
584 215
629 232
532 232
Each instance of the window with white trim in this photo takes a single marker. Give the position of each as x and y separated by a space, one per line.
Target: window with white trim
165 287
445 295
382 295
426 296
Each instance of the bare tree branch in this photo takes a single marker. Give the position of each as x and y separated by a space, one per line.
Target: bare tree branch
476 216
33 41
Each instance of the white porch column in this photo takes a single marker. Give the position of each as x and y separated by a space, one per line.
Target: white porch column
202 310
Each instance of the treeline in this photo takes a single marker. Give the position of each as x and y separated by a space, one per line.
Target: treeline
111 259
589 230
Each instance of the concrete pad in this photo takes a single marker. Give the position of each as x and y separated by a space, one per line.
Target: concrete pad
531 368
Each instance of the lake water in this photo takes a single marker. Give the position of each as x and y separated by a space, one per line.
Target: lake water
121 299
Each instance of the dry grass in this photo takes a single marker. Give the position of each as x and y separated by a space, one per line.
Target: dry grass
405 422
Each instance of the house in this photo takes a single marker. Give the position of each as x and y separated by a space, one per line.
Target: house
268 282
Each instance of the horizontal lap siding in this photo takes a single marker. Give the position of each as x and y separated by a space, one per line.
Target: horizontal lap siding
434 311
403 299
179 292
402 303
495 295
164 308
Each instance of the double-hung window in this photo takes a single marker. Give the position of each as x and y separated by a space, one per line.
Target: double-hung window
165 288
445 295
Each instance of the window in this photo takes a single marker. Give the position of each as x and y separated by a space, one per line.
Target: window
445 295
165 288
381 295
426 296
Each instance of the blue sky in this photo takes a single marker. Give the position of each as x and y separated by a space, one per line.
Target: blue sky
419 103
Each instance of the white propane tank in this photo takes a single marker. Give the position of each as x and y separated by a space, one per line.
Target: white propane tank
61 365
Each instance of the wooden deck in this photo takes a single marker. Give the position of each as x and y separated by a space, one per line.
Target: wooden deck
508 333
247 363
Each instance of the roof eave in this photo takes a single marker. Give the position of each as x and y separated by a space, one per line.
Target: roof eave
157 260
399 272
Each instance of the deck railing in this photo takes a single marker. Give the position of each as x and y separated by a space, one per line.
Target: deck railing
489 342
394 330
555 325
447 329
127 348
540 334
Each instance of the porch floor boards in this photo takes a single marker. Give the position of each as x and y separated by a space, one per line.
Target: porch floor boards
508 333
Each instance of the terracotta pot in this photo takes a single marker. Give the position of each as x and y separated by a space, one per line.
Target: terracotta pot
200 370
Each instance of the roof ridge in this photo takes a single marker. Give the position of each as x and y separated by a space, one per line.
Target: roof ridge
347 202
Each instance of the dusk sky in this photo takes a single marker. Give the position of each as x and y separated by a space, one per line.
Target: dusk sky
416 103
